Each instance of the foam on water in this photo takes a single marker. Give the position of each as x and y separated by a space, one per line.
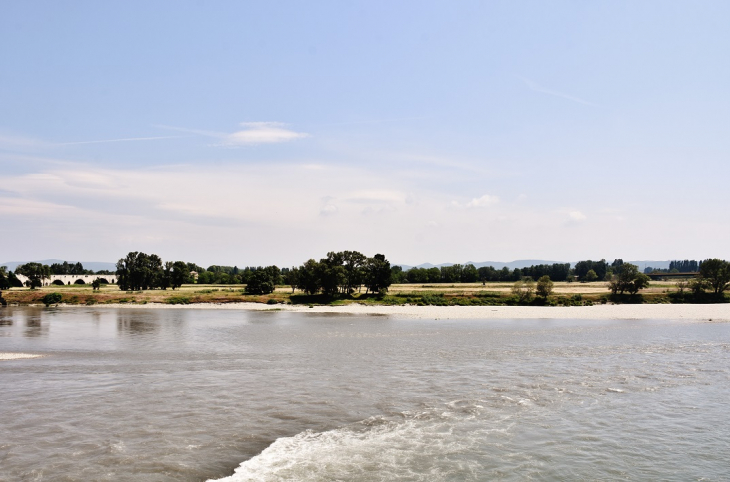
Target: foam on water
18 356
431 445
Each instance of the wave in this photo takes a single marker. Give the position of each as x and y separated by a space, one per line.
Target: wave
432 445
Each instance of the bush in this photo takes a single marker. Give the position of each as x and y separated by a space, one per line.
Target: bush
52 299
178 300
272 301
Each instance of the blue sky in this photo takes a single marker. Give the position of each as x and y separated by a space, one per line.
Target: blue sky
270 132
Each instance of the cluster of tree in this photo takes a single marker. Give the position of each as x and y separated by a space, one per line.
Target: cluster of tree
525 288
69 268
35 272
714 274
341 272
470 274
627 278
140 271
229 274
677 266
8 279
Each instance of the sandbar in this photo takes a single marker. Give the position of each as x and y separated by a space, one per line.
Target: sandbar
710 312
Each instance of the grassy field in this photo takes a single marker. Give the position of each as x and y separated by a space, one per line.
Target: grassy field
567 294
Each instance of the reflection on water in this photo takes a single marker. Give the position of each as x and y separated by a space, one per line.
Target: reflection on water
137 323
162 395
33 323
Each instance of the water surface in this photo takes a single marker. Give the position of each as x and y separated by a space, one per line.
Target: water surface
158 395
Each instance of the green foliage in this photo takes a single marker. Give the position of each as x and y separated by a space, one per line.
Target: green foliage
179 274
52 299
4 281
139 271
590 276
376 274
96 284
523 290
261 283
599 268
308 279
69 268
628 279
35 272
178 300
544 287
716 274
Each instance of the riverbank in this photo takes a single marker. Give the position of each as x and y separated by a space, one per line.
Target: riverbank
695 312
489 295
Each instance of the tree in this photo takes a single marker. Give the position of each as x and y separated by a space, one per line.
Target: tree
377 274
179 274
523 289
261 283
331 273
35 272
96 284
599 268
544 287
469 274
308 279
139 271
4 281
716 273
353 262
590 276
629 278
292 278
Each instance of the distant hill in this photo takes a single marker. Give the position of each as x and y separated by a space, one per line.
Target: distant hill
93 265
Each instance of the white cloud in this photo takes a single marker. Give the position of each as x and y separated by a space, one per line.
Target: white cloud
483 201
576 216
477 202
253 133
262 133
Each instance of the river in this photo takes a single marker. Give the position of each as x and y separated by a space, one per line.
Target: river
179 394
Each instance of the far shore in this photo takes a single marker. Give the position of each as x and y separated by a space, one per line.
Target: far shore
696 312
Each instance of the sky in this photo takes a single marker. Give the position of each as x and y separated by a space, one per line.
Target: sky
257 133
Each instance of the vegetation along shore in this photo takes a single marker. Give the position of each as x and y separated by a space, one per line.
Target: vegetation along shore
349 277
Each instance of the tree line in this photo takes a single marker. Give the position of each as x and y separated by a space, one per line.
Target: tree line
348 271
470 274
338 273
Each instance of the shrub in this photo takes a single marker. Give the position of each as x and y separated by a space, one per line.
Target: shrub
52 299
178 300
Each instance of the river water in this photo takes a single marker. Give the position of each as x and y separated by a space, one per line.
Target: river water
181 394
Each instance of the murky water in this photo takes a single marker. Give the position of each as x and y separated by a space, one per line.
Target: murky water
157 395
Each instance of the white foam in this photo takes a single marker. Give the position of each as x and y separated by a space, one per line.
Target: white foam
418 449
18 356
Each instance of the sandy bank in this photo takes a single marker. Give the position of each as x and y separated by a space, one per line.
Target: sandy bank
714 312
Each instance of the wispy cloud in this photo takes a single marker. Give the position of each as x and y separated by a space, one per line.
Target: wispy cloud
478 202
125 139
534 86
253 133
